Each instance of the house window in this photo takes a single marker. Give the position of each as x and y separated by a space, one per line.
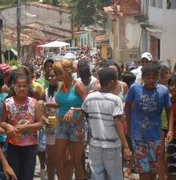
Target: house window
153 3
160 4
155 48
157 3
171 4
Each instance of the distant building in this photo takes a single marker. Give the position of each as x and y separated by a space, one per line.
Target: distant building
124 29
40 23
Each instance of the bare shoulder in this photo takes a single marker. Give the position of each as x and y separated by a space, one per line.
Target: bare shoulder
81 89
125 86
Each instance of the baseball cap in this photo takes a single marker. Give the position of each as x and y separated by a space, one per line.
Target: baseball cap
48 60
146 55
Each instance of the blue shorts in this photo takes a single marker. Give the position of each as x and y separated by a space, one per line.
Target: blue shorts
66 130
146 154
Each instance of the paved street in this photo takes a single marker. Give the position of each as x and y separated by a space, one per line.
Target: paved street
37 171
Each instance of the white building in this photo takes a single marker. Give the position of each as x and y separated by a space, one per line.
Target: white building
159 31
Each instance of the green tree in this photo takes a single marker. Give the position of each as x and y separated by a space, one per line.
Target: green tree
54 2
87 12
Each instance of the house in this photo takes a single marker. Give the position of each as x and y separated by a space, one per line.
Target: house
102 42
40 23
159 31
124 29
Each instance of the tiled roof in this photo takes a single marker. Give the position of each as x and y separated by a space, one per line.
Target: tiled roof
32 33
10 38
102 38
49 30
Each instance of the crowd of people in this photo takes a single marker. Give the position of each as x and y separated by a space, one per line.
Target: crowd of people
58 109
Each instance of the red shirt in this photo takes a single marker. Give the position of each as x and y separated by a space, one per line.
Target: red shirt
174 116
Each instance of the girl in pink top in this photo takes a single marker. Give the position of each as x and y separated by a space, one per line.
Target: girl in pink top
21 120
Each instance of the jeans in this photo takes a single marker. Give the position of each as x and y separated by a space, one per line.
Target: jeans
105 163
22 159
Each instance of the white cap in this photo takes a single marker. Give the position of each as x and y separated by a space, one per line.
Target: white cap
147 55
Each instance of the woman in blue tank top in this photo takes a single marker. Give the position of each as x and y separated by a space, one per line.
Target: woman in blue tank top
69 99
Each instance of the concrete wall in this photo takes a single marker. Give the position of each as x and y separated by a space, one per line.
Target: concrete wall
34 14
129 34
165 19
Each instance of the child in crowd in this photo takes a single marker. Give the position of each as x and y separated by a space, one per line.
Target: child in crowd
121 87
21 120
51 114
164 75
5 169
104 111
144 105
44 82
171 148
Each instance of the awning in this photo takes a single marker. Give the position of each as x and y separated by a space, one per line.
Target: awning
55 44
154 30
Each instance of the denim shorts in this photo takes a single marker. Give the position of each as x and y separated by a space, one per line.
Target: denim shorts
105 163
50 139
146 155
66 130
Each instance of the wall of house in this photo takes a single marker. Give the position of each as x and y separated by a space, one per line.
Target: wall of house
129 35
110 30
34 14
164 19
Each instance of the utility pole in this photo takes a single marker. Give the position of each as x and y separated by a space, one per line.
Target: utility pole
1 25
18 28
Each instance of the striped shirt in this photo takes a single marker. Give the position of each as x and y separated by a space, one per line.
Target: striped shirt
101 109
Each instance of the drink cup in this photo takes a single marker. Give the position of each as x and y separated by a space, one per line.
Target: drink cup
53 121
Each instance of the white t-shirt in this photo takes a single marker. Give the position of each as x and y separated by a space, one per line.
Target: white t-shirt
92 83
101 108
138 73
